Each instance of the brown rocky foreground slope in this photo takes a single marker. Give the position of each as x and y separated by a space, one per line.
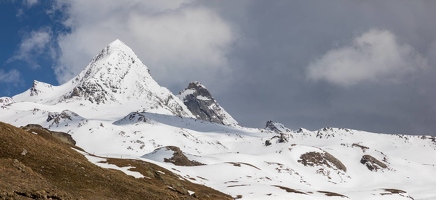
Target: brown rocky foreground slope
41 166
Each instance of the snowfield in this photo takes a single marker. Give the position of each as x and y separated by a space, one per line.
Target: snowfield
128 118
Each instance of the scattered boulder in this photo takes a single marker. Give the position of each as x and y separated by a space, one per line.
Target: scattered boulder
372 163
364 148
321 158
179 158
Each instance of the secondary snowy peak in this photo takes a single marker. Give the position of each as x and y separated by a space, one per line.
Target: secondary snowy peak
201 103
4 101
35 93
39 88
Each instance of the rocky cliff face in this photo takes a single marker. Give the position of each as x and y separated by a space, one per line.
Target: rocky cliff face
277 127
203 106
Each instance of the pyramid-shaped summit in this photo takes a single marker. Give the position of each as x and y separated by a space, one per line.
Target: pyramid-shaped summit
114 76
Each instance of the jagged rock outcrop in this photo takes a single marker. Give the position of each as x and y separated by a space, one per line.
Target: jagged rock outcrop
203 106
321 159
283 134
171 154
179 158
134 117
372 163
59 117
277 127
4 101
39 87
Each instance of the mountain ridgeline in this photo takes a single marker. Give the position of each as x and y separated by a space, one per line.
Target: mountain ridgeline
117 76
112 132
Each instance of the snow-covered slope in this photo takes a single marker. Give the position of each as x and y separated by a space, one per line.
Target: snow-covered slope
106 118
114 76
201 103
310 165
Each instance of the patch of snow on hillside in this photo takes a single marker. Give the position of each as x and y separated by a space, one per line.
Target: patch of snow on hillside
101 163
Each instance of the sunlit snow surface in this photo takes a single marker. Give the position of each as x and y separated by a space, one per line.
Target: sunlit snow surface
237 160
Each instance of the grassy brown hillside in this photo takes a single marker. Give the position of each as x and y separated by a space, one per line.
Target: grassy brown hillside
42 166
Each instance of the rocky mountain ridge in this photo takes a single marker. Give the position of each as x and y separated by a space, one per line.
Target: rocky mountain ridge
203 106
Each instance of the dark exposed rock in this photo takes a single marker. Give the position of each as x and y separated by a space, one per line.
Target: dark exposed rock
281 138
56 118
324 158
4 101
372 163
290 190
276 127
332 194
283 133
179 158
364 148
201 103
91 91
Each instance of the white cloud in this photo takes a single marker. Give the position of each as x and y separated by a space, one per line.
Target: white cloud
177 40
12 76
33 45
30 3
373 56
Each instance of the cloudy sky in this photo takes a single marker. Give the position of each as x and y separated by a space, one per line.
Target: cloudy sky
368 65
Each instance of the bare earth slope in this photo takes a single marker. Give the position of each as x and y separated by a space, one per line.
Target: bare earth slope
40 166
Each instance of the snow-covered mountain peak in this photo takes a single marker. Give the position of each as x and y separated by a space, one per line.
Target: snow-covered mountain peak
114 76
113 63
117 75
201 103
196 84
